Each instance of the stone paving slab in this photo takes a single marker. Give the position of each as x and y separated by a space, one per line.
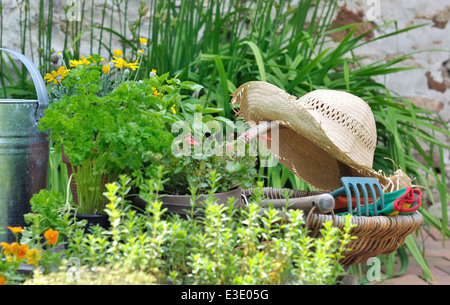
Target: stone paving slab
437 256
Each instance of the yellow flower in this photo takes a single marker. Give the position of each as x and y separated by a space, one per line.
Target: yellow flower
51 236
51 77
173 109
133 65
143 41
2 280
82 61
62 71
33 257
56 76
75 63
16 230
140 52
106 68
119 62
118 53
90 58
6 248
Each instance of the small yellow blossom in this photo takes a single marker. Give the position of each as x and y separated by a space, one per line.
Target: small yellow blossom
132 65
82 61
143 41
119 62
106 69
56 76
2 280
91 59
140 52
6 248
33 257
173 109
118 53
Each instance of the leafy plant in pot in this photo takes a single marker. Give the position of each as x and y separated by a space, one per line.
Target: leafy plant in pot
108 124
83 117
194 162
77 116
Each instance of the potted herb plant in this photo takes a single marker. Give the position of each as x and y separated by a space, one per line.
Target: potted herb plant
78 114
107 123
189 169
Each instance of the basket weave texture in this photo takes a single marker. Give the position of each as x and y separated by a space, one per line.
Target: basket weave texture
375 234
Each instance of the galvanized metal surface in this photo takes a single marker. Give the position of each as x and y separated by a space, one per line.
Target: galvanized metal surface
23 153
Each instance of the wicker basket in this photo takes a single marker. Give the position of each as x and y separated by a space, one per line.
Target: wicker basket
375 234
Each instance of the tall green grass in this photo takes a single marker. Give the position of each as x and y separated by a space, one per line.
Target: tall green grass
223 44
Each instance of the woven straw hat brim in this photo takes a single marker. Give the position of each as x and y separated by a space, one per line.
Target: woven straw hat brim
304 147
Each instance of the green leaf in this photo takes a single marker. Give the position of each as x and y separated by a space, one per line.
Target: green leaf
191 86
411 243
259 59
225 103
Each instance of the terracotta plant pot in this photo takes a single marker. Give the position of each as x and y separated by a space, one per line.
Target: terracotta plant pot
73 184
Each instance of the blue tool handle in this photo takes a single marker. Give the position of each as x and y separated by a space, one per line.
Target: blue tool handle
356 184
37 80
339 192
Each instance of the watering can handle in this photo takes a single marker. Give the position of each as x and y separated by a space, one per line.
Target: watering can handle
37 80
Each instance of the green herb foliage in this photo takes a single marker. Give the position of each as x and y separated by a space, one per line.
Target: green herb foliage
224 246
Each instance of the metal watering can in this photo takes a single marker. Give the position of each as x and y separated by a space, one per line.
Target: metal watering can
23 153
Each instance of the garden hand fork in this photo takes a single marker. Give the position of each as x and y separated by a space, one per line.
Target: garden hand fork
364 184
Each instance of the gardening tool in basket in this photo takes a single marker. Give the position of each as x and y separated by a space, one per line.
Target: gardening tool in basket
353 185
323 203
322 137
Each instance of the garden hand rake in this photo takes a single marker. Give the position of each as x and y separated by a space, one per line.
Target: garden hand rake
364 184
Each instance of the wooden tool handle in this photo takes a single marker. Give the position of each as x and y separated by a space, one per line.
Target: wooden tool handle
324 203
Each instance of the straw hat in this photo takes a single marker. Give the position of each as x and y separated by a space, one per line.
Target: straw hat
323 136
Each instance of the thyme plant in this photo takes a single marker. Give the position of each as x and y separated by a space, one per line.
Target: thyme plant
223 246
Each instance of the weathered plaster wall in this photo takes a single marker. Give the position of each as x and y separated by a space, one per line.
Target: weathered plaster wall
429 86
429 46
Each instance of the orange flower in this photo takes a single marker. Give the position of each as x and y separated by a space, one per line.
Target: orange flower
51 236
16 230
6 248
2 280
19 250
